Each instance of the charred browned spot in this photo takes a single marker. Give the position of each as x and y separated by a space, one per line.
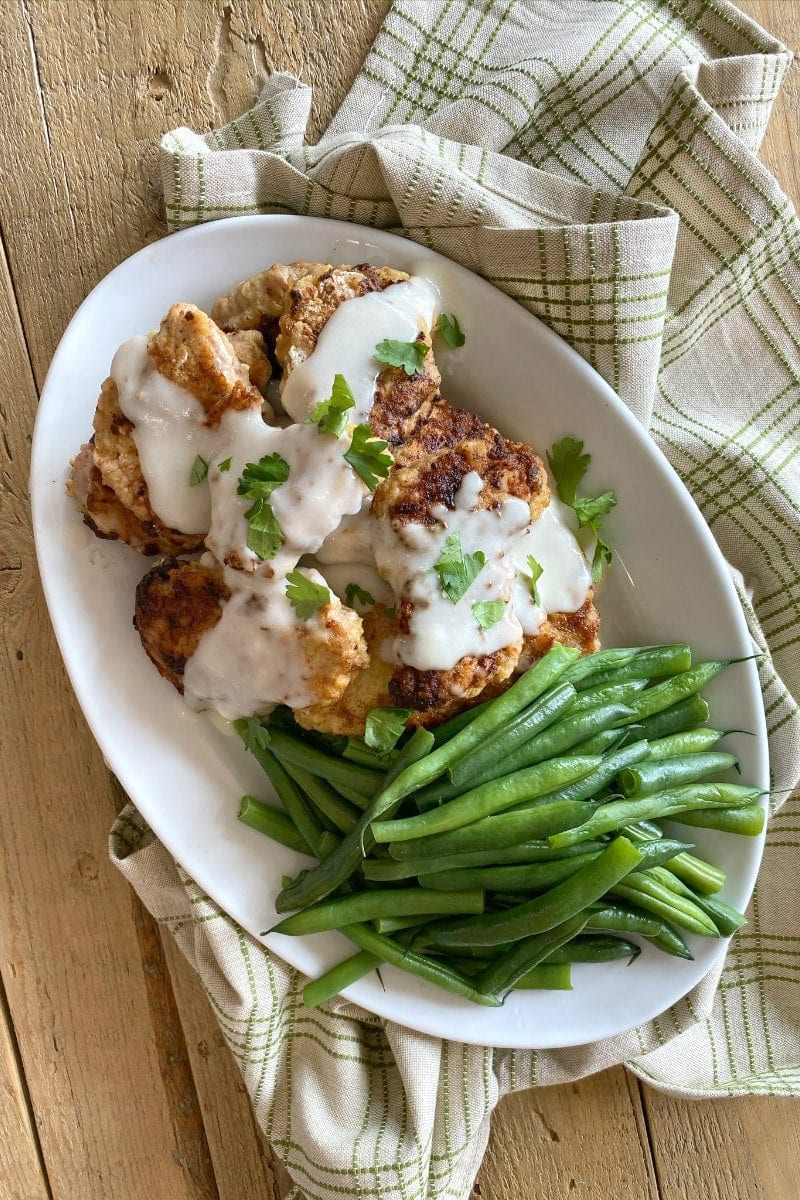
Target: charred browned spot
176 603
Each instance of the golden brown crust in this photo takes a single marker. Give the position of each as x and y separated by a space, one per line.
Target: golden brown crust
580 629
437 695
257 302
176 603
369 689
314 298
450 444
430 468
335 650
113 496
251 349
192 351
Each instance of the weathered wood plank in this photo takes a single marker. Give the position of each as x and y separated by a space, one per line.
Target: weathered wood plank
22 1173
80 143
779 148
243 1163
588 1139
736 1149
70 959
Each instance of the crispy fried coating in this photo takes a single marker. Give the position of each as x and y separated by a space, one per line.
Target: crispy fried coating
113 497
436 695
431 466
258 302
368 689
580 629
401 401
193 352
111 520
314 298
176 603
251 349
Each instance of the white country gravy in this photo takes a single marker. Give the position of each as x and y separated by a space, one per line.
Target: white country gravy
169 433
441 631
254 658
347 344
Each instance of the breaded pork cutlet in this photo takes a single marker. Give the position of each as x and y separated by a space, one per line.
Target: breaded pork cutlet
179 601
107 481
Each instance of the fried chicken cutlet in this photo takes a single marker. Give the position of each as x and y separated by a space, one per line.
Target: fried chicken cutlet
107 481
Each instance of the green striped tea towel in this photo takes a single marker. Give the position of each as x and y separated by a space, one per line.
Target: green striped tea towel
597 161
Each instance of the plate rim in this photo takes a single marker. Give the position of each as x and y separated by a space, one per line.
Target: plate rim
361 234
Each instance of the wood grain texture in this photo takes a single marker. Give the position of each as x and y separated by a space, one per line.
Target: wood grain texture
111 1065
735 1149
75 980
586 1139
22 1175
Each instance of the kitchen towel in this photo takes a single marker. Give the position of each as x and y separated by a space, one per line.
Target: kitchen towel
596 160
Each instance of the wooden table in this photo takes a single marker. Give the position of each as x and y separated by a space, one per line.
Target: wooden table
114 1080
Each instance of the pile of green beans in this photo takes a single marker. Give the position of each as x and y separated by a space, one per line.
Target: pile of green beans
517 838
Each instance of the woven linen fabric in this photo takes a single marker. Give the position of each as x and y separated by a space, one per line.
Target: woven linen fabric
596 160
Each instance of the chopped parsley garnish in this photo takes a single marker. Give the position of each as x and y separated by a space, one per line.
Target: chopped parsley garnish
568 465
535 569
451 331
259 480
331 415
198 472
353 593
390 612
304 595
254 735
408 355
367 456
385 727
264 534
225 465
488 612
457 570
257 483
590 513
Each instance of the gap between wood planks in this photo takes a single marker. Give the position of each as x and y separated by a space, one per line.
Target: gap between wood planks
6 1020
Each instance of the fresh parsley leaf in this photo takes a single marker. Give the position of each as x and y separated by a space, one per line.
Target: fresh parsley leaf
264 535
198 472
390 612
367 456
259 480
488 612
354 593
304 595
408 355
225 465
535 569
330 415
602 558
257 483
255 736
568 465
451 331
590 511
385 727
457 570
